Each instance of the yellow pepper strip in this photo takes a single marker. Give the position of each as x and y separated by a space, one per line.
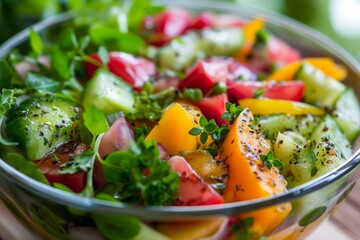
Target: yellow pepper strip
327 65
272 106
248 178
250 30
173 127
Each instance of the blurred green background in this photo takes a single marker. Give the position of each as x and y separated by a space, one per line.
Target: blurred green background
339 19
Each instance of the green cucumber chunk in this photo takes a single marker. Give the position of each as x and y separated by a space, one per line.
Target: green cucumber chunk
347 114
271 125
181 52
304 167
221 42
108 93
320 89
330 145
286 148
42 123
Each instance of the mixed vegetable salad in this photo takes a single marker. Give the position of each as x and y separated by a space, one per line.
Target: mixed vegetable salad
145 105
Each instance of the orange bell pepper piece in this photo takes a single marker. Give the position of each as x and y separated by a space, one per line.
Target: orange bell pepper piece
272 106
327 65
250 29
248 177
172 129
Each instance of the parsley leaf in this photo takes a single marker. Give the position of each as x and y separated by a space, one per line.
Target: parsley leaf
36 43
83 162
140 175
7 99
95 122
26 167
80 163
42 83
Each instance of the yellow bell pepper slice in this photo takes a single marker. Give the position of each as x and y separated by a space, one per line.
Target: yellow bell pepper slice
250 30
248 177
327 65
173 127
272 106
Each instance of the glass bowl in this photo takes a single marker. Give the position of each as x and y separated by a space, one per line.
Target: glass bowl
54 214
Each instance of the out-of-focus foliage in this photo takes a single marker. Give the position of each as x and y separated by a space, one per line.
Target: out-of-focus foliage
16 15
325 16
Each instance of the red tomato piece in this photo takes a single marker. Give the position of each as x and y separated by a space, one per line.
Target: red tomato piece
203 20
213 107
167 25
292 90
135 71
50 166
193 190
275 52
204 75
236 69
281 53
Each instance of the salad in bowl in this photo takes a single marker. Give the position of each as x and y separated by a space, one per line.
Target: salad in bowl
143 121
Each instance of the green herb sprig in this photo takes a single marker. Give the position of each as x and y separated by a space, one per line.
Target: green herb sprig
210 128
232 112
139 176
270 160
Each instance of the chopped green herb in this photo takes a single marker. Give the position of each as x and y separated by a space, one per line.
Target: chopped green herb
232 112
270 160
151 105
141 176
258 92
192 94
210 128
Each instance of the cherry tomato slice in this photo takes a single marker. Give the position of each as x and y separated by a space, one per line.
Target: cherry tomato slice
290 90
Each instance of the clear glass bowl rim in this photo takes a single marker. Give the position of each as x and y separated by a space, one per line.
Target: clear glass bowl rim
167 212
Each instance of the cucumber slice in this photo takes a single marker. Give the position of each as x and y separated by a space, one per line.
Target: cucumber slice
304 167
347 114
321 90
108 93
330 145
221 42
180 53
272 124
40 124
286 148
